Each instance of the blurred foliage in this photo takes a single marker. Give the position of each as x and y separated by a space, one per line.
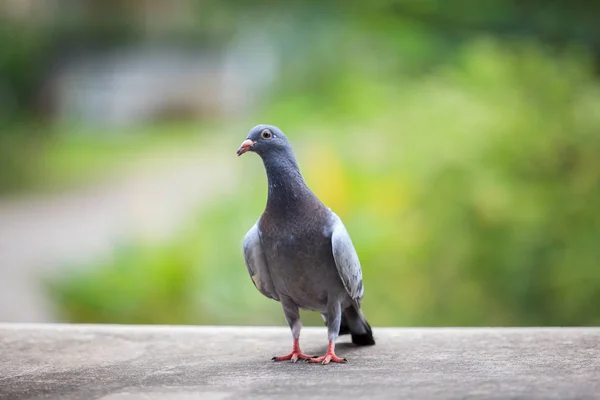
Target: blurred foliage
316 42
157 292
31 48
470 190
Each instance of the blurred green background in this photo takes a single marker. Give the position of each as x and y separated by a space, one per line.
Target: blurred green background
459 142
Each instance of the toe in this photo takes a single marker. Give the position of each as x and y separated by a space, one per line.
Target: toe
339 360
282 358
302 356
328 358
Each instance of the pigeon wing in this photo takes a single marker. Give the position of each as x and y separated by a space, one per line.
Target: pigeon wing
346 260
256 263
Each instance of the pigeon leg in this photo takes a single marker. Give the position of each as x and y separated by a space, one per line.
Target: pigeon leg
334 320
292 315
295 355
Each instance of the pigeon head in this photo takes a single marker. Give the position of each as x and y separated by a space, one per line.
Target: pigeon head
267 141
283 174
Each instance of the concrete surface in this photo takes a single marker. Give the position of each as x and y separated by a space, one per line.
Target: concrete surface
123 362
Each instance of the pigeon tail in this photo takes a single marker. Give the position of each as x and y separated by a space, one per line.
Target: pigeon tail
355 324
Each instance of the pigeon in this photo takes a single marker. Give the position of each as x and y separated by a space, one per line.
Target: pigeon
300 254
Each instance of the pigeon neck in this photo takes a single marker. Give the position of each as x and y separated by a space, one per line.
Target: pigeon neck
286 184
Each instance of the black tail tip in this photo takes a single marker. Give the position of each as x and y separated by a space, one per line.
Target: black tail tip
365 339
344 330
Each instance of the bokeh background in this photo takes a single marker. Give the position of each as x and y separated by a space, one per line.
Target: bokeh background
458 140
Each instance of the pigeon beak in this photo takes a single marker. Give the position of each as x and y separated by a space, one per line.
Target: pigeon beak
246 145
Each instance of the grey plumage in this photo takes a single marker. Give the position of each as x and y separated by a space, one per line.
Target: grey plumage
299 252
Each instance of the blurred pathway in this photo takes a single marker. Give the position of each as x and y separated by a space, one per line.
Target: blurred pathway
39 234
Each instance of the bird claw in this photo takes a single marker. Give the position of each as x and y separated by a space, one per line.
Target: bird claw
327 358
294 356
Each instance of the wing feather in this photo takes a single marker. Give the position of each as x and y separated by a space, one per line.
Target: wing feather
346 260
256 263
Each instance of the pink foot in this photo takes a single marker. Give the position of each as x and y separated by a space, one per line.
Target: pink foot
328 357
295 355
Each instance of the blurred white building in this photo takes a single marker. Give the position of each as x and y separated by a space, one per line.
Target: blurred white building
141 82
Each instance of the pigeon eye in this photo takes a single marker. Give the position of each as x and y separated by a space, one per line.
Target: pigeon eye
266 134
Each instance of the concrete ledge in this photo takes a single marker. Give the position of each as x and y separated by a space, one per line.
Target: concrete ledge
163 362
